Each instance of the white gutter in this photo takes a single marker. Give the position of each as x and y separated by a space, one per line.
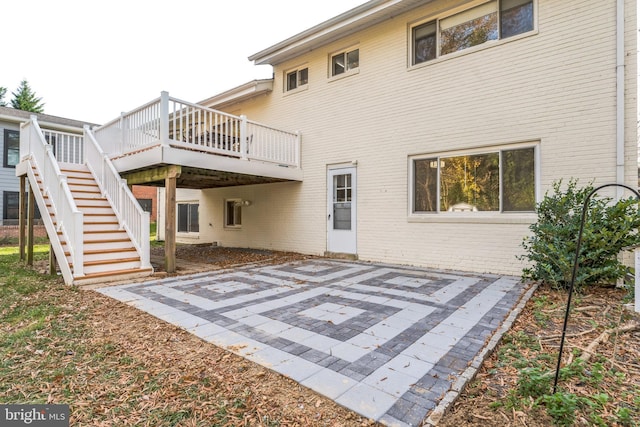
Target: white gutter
620 99
44 124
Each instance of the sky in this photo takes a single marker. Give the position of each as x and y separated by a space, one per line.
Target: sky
91 60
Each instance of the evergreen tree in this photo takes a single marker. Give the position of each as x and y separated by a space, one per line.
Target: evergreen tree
3 91
25 99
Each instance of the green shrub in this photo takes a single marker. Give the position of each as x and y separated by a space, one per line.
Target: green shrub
609 227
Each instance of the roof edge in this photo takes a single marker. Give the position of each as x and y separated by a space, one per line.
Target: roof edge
359 12
238 94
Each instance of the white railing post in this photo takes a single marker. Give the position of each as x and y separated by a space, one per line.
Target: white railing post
123 131
164 118
145 256
78 253
122 183
298 149
243 137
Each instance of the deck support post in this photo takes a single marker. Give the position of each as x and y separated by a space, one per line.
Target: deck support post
170 219
22 216
52 261
30 217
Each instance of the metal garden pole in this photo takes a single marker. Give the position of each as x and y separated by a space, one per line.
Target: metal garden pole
575 270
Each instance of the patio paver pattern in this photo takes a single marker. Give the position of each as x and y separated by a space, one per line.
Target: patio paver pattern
384 341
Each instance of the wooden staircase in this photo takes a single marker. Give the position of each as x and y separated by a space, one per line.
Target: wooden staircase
109 254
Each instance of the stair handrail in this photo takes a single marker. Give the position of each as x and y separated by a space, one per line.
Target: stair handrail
68 218
131 217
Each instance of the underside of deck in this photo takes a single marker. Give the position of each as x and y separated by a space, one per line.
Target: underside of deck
198 170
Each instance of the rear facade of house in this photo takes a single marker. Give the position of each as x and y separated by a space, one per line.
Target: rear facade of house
430 129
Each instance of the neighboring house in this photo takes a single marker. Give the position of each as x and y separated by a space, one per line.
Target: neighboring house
412 132
148 199
10 120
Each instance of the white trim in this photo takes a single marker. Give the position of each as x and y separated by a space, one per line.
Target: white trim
347 71
237 203
486 217
437 17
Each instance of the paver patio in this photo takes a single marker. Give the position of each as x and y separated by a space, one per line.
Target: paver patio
391 343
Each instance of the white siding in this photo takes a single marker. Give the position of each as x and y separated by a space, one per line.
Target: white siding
8 179
556 86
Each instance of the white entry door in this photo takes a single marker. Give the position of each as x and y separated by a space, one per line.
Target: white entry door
341 210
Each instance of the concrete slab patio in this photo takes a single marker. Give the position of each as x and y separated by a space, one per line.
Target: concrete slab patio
392 343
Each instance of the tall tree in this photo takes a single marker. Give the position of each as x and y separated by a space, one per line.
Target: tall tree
3 91
25 99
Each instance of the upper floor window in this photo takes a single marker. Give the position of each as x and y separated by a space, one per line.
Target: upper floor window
11 148
297 78
497 181
345 61
497 19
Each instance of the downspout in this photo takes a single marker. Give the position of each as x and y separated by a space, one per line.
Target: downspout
620 99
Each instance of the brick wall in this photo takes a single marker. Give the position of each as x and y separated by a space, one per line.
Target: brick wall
144 192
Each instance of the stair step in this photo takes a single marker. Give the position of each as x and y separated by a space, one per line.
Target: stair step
112 276
104 267
105 251
90 242
111 261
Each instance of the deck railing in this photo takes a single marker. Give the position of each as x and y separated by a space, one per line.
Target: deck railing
67 147
130 215
170 121
66 218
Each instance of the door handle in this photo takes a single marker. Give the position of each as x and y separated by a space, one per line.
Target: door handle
329 217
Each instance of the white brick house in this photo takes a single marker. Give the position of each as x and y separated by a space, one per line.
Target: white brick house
542 92
417 132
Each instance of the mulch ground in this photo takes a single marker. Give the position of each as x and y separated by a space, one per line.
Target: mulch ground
116 365
489 399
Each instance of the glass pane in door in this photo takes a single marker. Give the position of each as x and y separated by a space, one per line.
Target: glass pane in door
342 202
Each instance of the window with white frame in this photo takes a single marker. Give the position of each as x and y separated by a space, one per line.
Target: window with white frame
188 219
11 148
233 213
502 180
345 61
297 78
493 20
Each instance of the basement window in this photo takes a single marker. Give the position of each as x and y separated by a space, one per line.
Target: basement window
233 213
188 220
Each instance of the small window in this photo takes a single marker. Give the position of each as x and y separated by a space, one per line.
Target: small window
146 204
233 213
424 42
188 220
11 148
500 181
297 78
345 61
471 27
516 17
11 205
11 208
